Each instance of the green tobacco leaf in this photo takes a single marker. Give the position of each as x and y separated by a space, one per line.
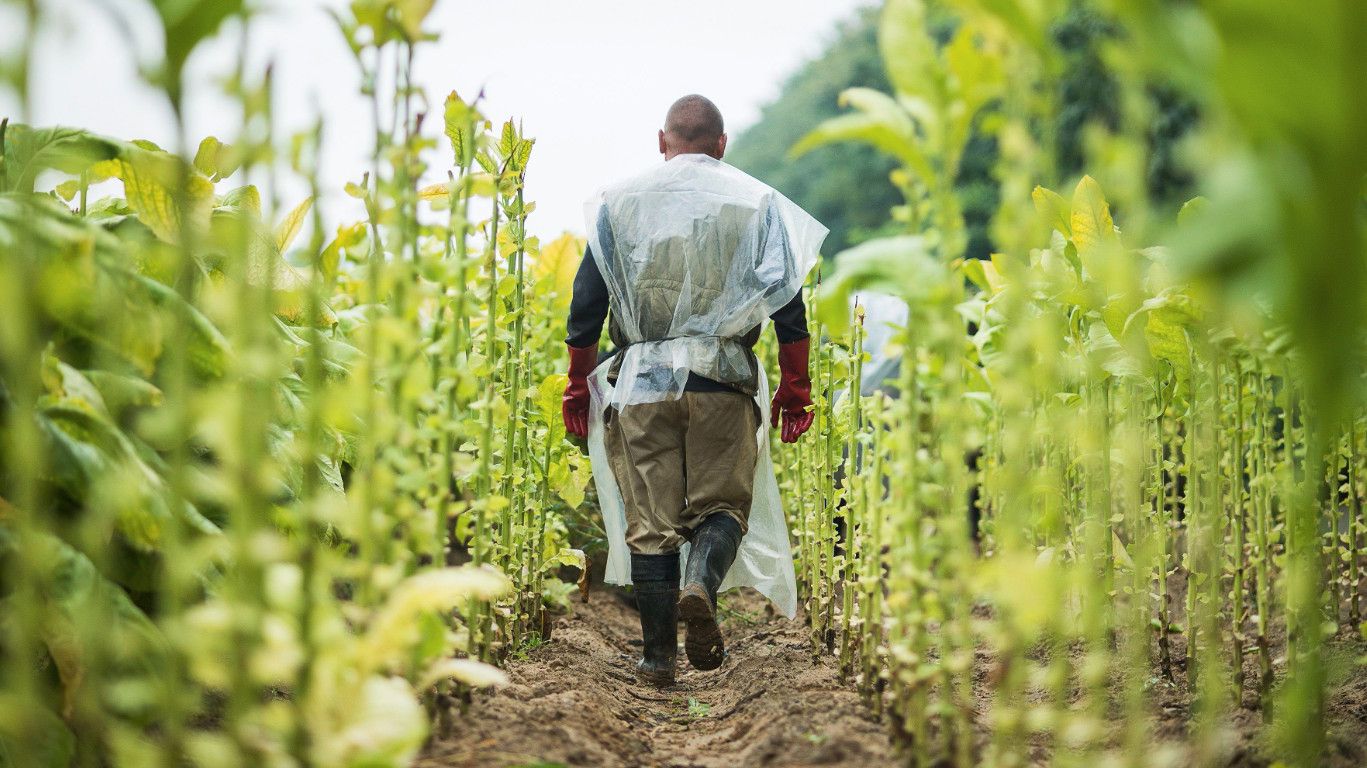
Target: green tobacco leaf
522 157
185 24
238 234
977 76
205 346
76 595
909 54
217 160
348 236
1104 352
30 151
548 401
80 280
563 556
1053 210
35 737
94 462
245 198
1168 319
64 382
122 393
404 22
569 484
507 140
206 157
884 132
462 120
1191 210
974 272
897 266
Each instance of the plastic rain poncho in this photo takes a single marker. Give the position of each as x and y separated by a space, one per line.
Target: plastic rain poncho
884 315
696 254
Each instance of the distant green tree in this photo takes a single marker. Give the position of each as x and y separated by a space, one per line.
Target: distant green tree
1086 96
846 186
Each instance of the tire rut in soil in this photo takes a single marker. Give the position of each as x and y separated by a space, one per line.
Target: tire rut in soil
576 702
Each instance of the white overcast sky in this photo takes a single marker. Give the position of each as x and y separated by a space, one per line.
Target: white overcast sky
590 79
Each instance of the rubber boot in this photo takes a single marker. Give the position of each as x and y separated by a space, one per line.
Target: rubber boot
655 581
714 549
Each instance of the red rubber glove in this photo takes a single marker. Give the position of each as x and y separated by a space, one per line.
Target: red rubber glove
793 398
574 406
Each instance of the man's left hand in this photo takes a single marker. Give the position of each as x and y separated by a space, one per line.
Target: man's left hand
795 423
793 398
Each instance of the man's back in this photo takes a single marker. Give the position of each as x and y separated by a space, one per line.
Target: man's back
686 249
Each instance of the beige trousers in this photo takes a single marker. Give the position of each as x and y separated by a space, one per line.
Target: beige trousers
680 461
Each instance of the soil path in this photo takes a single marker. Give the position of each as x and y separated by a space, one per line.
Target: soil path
575 702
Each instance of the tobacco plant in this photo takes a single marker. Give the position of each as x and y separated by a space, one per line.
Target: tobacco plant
267 490
1169 496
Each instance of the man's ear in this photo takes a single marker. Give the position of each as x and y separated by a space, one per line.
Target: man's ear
663 149
721 147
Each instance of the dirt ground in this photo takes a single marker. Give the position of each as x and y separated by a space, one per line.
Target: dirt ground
575 702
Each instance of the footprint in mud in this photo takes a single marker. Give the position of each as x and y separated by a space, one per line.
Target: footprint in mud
575 702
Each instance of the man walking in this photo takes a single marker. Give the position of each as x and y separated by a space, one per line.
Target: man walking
688 260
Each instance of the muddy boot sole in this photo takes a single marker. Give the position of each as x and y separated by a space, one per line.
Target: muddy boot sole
660 678
702 637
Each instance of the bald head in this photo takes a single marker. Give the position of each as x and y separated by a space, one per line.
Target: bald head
693 126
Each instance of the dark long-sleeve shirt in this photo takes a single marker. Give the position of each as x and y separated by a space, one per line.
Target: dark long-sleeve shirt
589 310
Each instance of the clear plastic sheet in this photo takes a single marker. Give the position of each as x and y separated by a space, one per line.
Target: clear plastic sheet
696 254
884 316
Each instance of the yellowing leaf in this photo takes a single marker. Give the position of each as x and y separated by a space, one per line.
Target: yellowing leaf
347 237
435 191
1091 217
395 628
548 399
68 189
1121 555
411 14
289 228
150 181
555 267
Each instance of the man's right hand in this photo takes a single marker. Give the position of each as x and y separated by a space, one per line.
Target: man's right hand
574 406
